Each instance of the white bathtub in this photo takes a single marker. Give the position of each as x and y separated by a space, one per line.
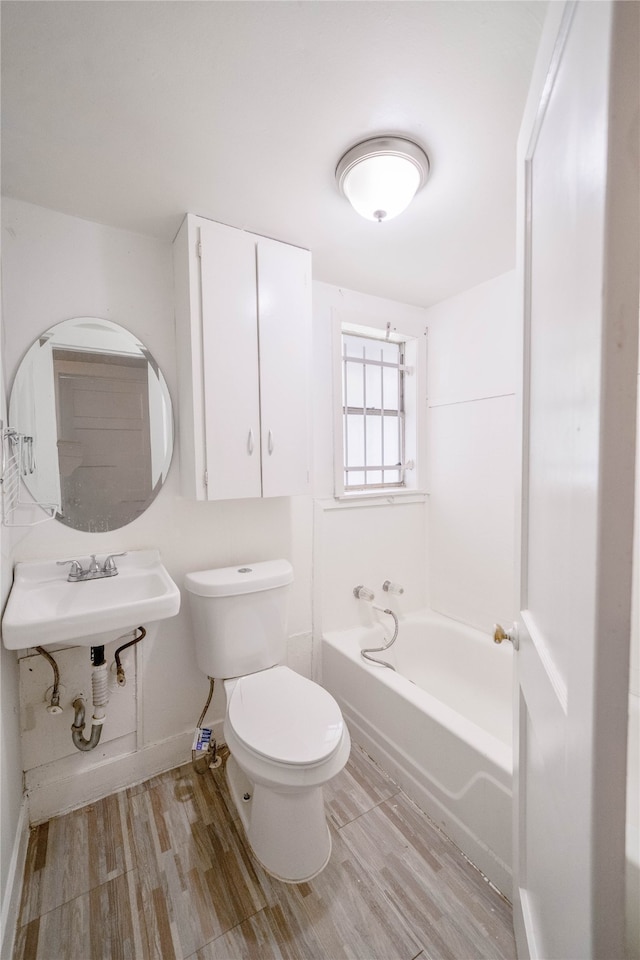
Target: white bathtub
440 726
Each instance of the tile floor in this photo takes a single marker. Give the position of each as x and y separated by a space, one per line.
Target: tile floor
162 870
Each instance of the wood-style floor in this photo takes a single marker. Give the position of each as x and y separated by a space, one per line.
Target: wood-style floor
162 870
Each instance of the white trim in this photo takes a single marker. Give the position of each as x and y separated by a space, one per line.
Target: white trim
347 501
15 877
56 797
415 405
522 922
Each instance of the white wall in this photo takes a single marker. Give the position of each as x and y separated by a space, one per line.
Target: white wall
56 267
11 809
359 542
472 453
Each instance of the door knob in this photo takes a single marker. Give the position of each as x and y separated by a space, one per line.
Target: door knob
500 634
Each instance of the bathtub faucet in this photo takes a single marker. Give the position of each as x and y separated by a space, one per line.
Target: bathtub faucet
390 587
363 593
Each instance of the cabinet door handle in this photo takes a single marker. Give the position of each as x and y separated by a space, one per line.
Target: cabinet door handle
270 443
250 443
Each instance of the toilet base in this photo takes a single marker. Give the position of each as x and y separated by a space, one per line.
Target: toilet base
287 830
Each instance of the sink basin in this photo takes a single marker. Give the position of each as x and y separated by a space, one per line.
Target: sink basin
43 607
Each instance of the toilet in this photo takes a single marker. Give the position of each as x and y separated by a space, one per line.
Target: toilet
286 734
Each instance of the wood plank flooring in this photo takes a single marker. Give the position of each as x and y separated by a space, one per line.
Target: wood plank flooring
162 870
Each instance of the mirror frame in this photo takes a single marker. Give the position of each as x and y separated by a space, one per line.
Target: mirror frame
132 382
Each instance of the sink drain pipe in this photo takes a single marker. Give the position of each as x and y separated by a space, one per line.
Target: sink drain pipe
100 696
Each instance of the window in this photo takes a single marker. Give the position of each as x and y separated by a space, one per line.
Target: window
373 412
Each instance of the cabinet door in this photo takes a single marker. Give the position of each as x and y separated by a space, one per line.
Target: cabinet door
284 324
230 362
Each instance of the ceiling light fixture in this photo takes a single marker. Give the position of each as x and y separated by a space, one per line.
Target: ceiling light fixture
381 176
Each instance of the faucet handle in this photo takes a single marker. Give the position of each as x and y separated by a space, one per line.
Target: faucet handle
390 587
109 565
76 570
363 593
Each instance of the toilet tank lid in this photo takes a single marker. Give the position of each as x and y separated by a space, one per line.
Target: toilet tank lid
245 578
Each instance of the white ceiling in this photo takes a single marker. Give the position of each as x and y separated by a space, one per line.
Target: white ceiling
133 113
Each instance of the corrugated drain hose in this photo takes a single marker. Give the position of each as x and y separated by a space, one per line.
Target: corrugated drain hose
100 696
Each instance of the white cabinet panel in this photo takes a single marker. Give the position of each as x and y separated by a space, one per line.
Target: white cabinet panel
284 306
230 361
243 318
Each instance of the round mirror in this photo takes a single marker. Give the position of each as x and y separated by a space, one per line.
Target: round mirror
95 415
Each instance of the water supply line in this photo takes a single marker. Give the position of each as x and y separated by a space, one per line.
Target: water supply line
120 676
211 758
100 696
54 704
364 593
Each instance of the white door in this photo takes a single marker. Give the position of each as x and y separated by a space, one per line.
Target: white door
230 361
284 311
578 256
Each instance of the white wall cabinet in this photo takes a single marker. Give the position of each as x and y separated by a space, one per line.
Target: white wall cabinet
243 325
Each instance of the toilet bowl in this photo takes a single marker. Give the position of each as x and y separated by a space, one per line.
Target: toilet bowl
285 733
287 738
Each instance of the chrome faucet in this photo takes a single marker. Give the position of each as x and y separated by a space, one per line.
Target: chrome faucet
109 569
94 571
76 572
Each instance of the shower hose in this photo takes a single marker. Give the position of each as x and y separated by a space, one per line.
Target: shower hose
365 654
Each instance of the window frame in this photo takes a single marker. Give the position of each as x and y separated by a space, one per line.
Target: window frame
366 411
415 408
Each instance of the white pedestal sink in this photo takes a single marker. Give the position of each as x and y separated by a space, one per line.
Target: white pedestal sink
44 607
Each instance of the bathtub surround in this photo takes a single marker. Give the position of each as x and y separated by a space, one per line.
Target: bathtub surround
361 540
472 453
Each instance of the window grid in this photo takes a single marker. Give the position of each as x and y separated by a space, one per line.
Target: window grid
361 473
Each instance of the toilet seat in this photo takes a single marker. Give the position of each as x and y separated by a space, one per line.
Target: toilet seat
283 717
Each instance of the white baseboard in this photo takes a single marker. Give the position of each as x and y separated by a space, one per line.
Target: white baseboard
54 797
15 877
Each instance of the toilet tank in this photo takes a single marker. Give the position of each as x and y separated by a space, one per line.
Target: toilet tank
239 616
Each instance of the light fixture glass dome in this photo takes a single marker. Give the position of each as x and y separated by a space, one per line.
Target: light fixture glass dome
380 177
